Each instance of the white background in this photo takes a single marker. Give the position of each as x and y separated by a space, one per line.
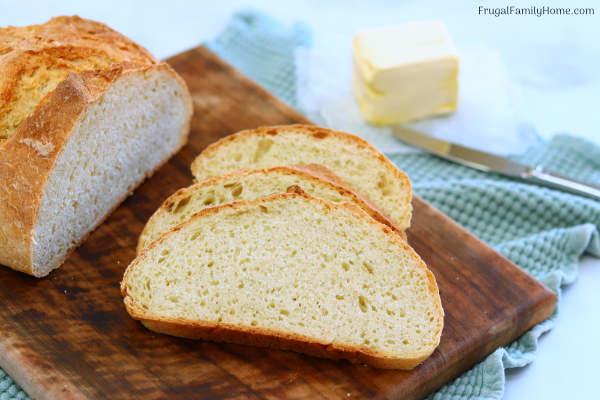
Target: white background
550 65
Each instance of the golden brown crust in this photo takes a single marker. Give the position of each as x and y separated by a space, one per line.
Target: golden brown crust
311 171
35 59
317 132
28 157
26 160
49 75
71 32
279 340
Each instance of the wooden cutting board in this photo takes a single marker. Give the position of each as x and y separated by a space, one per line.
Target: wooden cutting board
68 336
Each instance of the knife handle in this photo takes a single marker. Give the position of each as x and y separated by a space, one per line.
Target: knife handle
562 182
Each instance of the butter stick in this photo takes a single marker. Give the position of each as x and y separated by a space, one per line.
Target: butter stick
405 72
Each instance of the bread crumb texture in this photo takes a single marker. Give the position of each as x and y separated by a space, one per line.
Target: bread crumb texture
236 186
120 139
352 159
292 265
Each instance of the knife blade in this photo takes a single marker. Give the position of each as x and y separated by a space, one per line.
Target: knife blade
489 162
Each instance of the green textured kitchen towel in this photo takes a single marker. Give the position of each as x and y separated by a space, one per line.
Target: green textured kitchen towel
270 55
543 231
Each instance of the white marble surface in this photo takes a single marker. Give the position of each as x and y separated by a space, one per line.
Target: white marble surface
550 67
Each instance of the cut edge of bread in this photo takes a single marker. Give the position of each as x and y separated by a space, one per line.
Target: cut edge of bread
255 336
318 173
318 133
42 138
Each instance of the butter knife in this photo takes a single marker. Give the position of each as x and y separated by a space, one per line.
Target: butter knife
489 162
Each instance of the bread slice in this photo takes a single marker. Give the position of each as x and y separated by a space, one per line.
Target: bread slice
68 159
294 272
351 158
250 185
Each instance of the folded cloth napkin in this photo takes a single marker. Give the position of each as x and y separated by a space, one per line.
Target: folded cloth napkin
9 390
543 231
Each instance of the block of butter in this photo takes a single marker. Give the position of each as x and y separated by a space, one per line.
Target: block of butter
405 72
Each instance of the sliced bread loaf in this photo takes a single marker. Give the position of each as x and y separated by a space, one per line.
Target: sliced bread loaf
251 185
85 116
294 272
354 160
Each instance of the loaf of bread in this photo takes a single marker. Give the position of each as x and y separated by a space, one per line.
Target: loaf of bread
294 272
250 185
351 158
85 116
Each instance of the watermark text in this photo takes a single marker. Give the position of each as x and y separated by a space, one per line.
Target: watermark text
534 10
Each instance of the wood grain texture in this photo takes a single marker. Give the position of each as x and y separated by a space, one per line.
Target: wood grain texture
69 336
